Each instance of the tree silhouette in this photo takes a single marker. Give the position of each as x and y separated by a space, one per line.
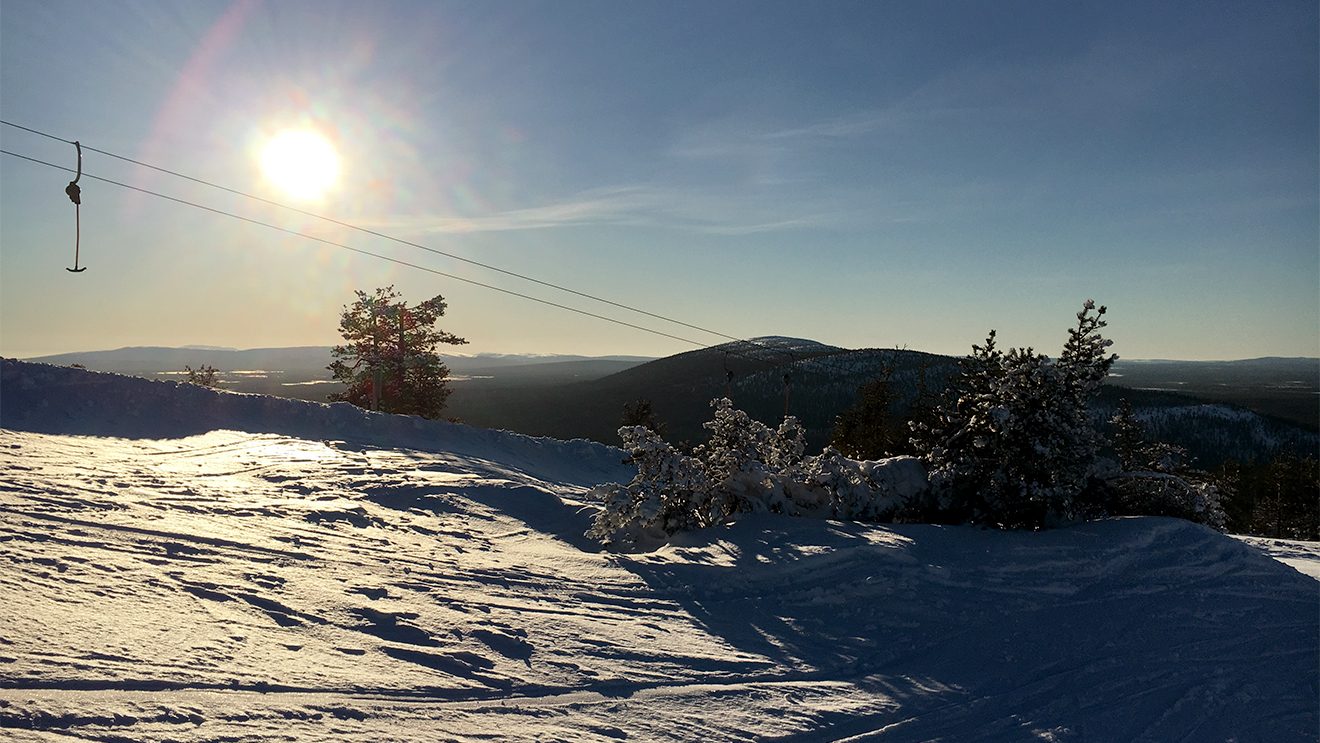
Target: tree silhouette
641 413
389 359
203 376
870 429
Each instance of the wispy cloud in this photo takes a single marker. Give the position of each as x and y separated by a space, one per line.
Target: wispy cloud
842 127
701 210
1107 80
604 206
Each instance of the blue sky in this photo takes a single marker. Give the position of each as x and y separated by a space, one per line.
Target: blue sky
865 174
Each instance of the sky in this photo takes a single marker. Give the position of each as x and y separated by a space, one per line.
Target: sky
870 174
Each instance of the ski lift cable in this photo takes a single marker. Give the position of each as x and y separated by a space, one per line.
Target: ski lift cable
384 236
360 251
374 233
371 254
750 342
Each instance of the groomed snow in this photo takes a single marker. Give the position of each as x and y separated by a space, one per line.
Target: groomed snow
183 564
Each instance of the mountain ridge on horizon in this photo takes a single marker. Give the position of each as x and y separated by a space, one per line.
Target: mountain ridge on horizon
572 397
53 357
527 392
764 341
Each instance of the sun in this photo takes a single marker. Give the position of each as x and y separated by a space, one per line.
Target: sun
301 162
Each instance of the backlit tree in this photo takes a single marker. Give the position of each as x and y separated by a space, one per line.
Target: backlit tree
389 360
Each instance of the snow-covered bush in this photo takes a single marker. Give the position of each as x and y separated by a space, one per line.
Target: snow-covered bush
736 459
1163 494
830 485
745 467
1012 444
1154 478
671 493
899 482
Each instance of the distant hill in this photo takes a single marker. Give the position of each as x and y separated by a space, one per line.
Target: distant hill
539 372
569 396
138 360
1287 388
300 372
823 381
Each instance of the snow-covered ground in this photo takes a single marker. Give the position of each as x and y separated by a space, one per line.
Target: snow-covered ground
1303 556
181 564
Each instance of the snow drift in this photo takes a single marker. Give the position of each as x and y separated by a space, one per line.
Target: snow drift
183 564
52 399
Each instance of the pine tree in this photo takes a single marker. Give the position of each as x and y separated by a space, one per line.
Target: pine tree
948 439
1157 479
389 360
1082 367
641 413
869 429
1012 443
922 411
1129 437
203 376
1275 498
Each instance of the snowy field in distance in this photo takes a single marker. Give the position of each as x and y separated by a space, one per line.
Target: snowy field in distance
1302 556
189 565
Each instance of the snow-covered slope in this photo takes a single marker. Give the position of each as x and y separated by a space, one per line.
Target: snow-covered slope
53 399
189 565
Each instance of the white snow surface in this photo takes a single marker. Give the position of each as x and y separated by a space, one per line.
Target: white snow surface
1302 556
189 565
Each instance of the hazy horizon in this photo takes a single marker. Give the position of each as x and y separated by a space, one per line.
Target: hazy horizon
468 353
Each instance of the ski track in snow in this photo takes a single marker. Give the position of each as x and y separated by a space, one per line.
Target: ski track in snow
234 585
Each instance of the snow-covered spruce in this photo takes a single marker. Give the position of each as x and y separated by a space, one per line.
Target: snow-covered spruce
1012 444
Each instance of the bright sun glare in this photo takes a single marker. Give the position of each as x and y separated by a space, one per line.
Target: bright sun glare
301 162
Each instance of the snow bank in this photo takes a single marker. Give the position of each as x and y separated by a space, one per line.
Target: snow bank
51 399
904 478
